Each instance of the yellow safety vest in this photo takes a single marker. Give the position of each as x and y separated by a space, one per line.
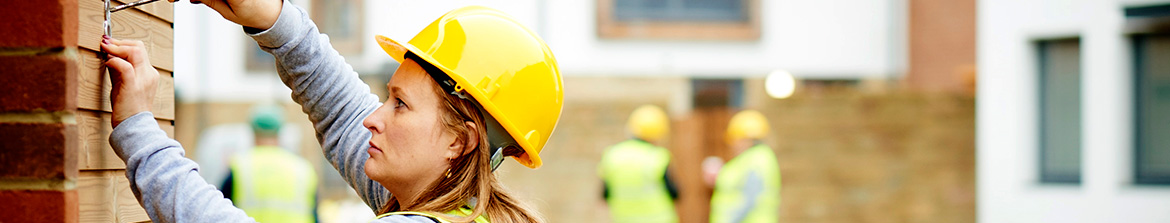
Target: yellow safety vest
461 212
728 196
633 171
273 185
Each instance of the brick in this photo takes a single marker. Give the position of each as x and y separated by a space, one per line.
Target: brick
45 23
38 206
38 83
38 150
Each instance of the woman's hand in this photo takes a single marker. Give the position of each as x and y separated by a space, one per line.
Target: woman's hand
259 14
134 80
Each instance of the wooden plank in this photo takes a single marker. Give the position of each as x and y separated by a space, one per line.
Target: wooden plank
95 152
131 24
93 87
128 208
105 196
94 197
161 9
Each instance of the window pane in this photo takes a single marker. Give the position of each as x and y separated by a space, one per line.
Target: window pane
709 93
679 10
1153 108
727 5
1060 111
641 4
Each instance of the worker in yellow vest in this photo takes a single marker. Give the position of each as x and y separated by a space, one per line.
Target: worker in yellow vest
747 188
637 185
270 183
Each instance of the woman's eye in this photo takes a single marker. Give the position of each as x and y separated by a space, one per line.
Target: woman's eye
399 103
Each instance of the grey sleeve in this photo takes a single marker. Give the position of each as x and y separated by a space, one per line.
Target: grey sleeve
330 92
752 187
166 183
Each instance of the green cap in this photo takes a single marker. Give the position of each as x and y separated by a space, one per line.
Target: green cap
266 120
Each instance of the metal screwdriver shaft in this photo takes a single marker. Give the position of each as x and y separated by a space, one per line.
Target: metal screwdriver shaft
131 5
106 24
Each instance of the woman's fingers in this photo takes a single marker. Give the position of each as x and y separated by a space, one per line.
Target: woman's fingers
120 69
222 7
259 14
133 51
119 48
114 49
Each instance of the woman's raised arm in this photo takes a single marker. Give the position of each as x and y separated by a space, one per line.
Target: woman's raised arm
325 86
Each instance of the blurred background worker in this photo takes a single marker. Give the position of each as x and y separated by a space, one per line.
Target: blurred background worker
270 183
637 184
747 188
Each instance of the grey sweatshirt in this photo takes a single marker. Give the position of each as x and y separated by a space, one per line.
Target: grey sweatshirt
168 185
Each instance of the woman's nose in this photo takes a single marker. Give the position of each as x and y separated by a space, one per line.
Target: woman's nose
374 121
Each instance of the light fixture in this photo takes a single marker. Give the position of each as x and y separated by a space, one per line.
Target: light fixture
780 84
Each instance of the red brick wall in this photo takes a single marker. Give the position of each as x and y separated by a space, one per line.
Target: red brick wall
38 139
55 162
942 45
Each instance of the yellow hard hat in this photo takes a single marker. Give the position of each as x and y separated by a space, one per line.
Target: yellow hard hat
747 124
648 122
504 66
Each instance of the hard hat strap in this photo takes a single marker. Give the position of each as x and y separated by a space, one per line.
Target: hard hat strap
499 141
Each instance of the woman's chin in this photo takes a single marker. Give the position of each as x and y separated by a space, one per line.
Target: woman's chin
371 169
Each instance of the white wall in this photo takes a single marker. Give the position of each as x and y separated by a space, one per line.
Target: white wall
811 39
209 60
847 38
1006 136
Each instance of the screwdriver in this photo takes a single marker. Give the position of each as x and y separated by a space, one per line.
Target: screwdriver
131 5
106 25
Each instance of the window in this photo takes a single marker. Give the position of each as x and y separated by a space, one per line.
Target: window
1060 110
680 10
342 21
1152 85
678 19
717 93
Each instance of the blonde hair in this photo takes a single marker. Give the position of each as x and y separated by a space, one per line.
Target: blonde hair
470 175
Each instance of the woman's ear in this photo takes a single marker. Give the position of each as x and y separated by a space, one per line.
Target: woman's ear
472 137
470 140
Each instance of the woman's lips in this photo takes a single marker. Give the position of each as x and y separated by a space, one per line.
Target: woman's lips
374 148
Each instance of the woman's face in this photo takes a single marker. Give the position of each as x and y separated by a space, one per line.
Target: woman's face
410 144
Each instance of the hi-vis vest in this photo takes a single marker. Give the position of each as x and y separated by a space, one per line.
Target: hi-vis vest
462 212
273 185
633 171
728 197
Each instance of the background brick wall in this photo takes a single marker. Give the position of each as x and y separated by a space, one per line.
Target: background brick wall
848 152
54 113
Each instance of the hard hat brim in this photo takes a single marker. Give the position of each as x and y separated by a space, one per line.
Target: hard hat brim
397 51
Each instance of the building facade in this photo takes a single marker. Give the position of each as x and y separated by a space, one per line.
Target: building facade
1072 111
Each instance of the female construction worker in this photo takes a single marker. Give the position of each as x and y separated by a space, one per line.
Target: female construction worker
473 87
